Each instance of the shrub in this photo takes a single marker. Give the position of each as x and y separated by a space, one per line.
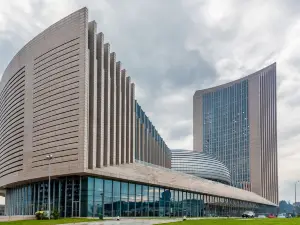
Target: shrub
40 215
55 214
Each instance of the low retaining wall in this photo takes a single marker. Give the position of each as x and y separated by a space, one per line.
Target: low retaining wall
14 218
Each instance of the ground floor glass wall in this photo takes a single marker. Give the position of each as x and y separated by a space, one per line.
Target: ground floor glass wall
91 196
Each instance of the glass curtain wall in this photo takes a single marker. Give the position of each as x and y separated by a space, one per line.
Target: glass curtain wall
92 197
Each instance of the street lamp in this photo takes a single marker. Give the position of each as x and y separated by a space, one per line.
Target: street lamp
49 158
296 195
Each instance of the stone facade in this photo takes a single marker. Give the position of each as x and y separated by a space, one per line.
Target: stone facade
66 94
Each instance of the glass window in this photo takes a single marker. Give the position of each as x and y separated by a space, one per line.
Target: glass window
151 201
62 187
188 204
138 200
98 196
124 199
116 198
157 200
145 200
180 204
172 202
162 202
131 200
167 198
108 198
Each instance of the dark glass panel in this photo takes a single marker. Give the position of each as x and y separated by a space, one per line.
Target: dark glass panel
108 198
131 200
116 198
124 199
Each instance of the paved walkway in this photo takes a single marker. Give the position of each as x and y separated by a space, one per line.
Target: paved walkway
129 221
125 221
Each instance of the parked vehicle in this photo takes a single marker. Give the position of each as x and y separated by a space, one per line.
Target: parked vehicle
261 216
282 215
248 214
271 216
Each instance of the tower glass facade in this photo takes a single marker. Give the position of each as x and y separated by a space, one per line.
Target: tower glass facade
237 123
226 130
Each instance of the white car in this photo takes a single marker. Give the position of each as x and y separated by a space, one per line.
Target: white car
248 214
261 216
281 215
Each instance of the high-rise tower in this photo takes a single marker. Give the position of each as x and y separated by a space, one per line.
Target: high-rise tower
237 122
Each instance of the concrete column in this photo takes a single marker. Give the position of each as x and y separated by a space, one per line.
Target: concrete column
100 100
112 108
133 116
118 113
143 158
145 139
92 28
155 148
106 161
124 117
128 117
150 143
138 155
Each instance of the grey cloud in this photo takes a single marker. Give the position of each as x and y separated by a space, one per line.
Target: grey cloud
151 44
6 54
180 131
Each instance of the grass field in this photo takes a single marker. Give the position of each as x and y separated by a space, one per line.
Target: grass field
48 222
266 221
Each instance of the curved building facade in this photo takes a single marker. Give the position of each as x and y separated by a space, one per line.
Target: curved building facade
66 95
237 123
200 165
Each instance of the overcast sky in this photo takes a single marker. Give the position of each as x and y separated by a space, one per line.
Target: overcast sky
173 47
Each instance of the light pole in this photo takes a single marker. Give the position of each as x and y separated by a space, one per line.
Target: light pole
49 158
296 195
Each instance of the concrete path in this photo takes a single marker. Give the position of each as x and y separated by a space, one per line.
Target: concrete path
129 222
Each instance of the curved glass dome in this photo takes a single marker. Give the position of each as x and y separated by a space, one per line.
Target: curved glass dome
201 165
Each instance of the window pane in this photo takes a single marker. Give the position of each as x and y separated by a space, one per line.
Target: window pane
108 201
151 201
145 199
131 200
162 202
116 198
157 200
138 200
124 199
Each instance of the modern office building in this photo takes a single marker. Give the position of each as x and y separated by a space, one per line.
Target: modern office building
65 95
200 164
236 122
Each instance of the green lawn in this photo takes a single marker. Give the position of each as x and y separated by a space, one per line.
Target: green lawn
266 221
48 222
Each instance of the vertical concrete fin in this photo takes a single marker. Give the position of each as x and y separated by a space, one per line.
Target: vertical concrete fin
100 100
128 117
118 113
112 108
107 102
92 137
133 115
124 116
